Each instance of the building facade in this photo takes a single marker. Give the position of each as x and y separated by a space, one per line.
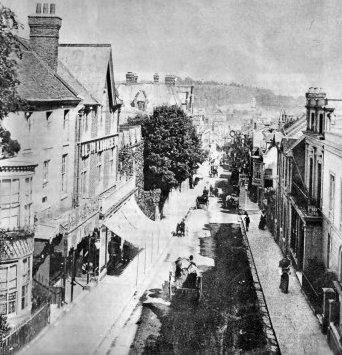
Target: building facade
299 188
71 129
140 98
16 239
332 201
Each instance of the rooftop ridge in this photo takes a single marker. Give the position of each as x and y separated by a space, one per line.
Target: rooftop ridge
78 82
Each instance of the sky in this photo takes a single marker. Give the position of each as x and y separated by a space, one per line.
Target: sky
284 45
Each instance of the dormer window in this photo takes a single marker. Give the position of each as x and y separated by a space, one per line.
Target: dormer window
141 105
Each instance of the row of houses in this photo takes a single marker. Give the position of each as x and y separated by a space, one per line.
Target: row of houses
67 200
298 181
215 126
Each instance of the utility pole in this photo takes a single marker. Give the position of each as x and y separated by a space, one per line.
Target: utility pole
65 268
88 263
73 274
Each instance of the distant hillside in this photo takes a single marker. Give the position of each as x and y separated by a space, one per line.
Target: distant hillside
211 94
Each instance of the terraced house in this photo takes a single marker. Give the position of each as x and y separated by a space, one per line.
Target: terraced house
70 132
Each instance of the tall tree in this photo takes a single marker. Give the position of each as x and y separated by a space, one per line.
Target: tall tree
10 55
172 149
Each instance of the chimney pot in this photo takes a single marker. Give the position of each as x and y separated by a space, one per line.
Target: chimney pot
44 33
170 80
45 8
130 78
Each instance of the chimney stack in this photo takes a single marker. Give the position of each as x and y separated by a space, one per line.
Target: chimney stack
156 78
130 78
170 80
44 33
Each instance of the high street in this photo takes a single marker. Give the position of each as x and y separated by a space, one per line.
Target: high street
296 328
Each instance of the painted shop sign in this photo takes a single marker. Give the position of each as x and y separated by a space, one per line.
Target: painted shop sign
98 145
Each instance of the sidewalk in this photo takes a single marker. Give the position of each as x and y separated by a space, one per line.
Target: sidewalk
83 328
295 325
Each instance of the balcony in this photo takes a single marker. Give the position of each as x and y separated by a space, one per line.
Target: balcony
15 244
309 206
72 219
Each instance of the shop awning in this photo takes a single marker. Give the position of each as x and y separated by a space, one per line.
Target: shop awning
131 224
47 231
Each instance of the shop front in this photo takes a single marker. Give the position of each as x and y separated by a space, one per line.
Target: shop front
130 237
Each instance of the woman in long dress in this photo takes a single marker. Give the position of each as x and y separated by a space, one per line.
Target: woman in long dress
284 265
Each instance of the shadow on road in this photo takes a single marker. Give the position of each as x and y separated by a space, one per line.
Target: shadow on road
226 320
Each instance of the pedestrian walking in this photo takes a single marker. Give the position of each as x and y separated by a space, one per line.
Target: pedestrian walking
284 268
262 222
247 221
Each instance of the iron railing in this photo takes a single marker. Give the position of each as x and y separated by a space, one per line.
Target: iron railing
25 332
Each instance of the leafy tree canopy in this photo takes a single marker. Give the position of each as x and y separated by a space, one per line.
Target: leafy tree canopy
9 56
172 148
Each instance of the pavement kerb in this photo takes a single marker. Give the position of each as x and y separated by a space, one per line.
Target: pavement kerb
137 292
273 344
294 271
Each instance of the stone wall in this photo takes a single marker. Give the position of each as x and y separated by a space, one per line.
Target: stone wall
131 161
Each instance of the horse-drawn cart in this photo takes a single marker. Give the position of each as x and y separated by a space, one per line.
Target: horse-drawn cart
202 201
232 201
186 281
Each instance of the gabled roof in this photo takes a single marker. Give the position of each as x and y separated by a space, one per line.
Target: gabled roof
156 94
65 74
38 82
89 64
296 128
